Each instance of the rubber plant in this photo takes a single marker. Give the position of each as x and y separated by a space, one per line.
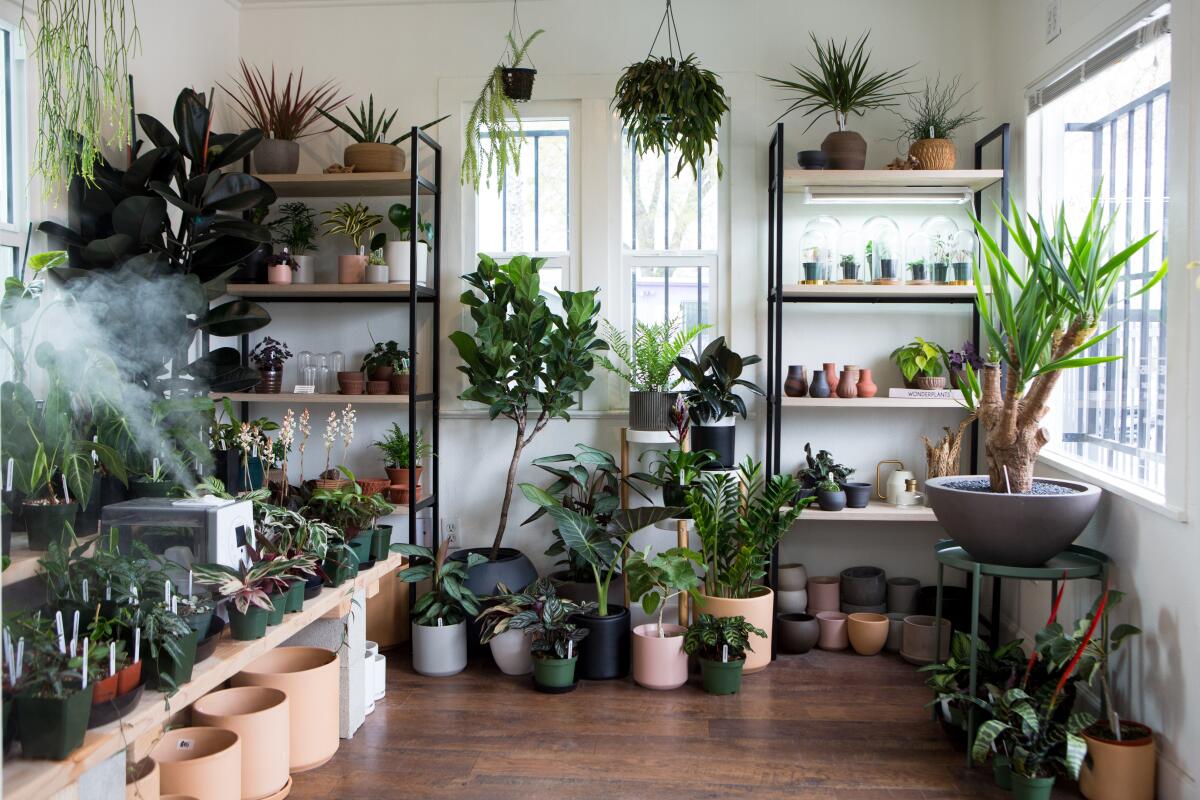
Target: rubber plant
1040 321
671 103
525 362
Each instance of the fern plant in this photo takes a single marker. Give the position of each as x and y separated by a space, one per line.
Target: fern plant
494 133
370 129
648 362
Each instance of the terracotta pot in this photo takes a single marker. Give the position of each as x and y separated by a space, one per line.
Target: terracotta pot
381 373
205 763
759 611
276 157
1121 770
833 630
933 153
309 677
377 387
917 645
831 376
398 476
848 384
798 633
791 601
845 150
279 274
895 637
399 384
176 797
374 157
866 387
259 716
796 384
350 382
352 268
824 593
143 783
867 633
372 486
510 651
659 663
793 576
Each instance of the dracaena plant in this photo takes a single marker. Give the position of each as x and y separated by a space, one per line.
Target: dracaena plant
712 637
356 223
648 361
281 112
713 375
248 586
449 601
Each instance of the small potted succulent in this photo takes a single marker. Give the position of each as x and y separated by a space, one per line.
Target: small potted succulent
720 643
398 251
439 626
296 231
269 356
357 223
401 380
372 150
920 363
377 268
830 496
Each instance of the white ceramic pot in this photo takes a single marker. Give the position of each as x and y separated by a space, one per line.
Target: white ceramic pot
791 601
306 269
368 683
510 650
439 651
397 256
380 676
377 273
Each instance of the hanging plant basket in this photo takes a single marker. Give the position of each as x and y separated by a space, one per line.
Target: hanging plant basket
518 83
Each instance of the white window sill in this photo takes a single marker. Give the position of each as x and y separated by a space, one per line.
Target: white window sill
1140 495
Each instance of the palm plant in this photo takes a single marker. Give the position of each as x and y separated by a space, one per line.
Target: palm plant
494 133
353 221
449 601
648 362
281 112
367 128
296 228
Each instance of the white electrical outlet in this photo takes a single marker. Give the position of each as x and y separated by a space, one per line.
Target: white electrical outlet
450 531
1053 19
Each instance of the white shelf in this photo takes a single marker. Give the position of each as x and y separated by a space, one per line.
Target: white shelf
315 399
320 291
796 180
869 291
876 511
859 403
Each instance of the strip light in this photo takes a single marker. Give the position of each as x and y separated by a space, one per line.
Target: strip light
900 195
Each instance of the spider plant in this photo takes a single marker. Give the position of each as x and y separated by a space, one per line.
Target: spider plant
356 222
281 112
366 127
648 362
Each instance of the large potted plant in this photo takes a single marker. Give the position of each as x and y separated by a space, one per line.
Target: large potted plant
1040 321
398 252
712 401
527 363
721 644
648 366
296 230
356 223
933 117
659 660
739 518
284 113
841 85
372 150
439 626
493 134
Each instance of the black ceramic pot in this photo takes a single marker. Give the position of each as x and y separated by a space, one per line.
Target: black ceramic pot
812 159
604 654
864 586
831 501
858 494
227 467
721 439
675 496
253 268
511 567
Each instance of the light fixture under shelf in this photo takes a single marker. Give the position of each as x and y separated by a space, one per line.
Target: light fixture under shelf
890 195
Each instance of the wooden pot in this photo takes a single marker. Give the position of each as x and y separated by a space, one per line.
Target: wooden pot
933 153
259 716
845 150
374 157
205 763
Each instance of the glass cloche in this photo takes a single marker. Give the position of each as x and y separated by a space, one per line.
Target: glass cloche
817 246
941 232
962 254
918 250
881 257
851 266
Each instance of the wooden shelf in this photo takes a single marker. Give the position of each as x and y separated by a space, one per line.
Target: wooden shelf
857 403
325 291
315 399
795 180
876 511
26 779
345 184
23 562
869 291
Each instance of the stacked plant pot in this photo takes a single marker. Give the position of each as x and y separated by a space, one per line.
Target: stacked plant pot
864 590
259 715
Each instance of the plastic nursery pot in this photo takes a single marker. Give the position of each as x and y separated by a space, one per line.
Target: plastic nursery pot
659 662
721 677
1025 788
295 596
309 677
129 678
52 727
758 610
361 545
439 650
278 607
142 781
339 569
1123 769
1002 772
165 672
50 522
248 626
103 691
554 673
259 716
143 488
205 763
201 622
8 725
381 540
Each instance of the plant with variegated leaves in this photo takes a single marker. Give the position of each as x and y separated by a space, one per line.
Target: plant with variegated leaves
248 586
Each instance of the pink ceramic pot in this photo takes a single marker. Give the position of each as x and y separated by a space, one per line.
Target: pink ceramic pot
833 631
659 663
866 386
824 593
848 385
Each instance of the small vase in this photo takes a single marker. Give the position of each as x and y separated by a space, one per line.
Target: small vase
305 269
819 386
866 387
352 269
279 274
847 385
831 375
796 384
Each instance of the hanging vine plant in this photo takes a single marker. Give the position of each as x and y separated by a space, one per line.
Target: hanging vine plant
82 50
671 103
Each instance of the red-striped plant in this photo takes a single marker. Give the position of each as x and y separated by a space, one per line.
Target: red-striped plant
281 112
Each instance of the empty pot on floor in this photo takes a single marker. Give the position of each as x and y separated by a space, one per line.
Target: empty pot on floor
205 763
259 716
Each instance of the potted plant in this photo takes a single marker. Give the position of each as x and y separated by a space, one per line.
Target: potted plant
676 471
917 271
830 496
849 268
383 360
821 468
879 255
295 229
401 454
372 150
956 361
439 630
357 223
1039 321
933 117
517 80
510 645
350 510
170 646
659 660
493 134
739 520
721 644
648 366
671 103
813 266
398 251
526 363
920 364
712 402
247 592
554 640
841 85
284 114
950 679
269 356
52 697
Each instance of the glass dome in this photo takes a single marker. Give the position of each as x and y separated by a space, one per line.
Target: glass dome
962 254
918 251
851 266
881 257
940 232
817 245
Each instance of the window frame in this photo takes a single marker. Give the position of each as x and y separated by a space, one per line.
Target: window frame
13 234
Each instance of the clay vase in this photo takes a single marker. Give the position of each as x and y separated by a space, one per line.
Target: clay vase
1123 769
205 763
758 610
868 633
866 387
792 577
142 782
798 633
848 384
845 150
796 384
259 716
831 375
833 630
824 593
352 269
819 386
309 678
659 663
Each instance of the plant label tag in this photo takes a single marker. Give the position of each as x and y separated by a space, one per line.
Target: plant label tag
8 476
570 649
305 388
185 744
725 654
439 622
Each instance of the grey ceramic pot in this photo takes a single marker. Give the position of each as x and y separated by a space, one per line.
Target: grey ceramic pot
858 494
792 577
798 633
831 501
1012 530
850 608
895 636
918 641
511 567
902 595
276 157
439 651
864 586
651 411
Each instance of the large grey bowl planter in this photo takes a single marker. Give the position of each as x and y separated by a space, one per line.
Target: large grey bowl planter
439 651
1012 530
798 633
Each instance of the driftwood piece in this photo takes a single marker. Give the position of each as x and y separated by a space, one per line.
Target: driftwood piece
944 458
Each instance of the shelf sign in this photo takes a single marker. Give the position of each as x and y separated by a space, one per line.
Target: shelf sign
305 388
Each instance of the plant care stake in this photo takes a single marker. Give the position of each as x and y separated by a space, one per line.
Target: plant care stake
570 649
190 592
724 654
112 660
85 590
58 625
84 668
8 476
75 630
137 645
20 670
66 491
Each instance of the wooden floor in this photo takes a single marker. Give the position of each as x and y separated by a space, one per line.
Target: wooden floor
821 725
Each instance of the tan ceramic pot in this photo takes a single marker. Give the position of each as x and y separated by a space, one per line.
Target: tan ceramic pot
259 715
352 269
176 797
867 632
919 638
1121 770
144 785
309 677
933 153
205 763
374 157
659 663
833 630
824 593
759 611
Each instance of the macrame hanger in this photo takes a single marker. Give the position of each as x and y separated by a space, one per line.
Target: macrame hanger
673 42
518 35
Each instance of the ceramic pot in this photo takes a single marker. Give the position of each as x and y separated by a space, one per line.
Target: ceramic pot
142 782
895 637
833 630
398 256
379 675
604 654
350 382
720 437
378 387
850 608
864 586
812 159
270 381
50 522
866 387
52 727
309 678
279 274
259 716
439 650
791 601
659 663
374 157
902 595
798 633
933 153
1024 788
722 677
554 673
253 268
276 157
848 383
758 610
831 375
510 651
306 269
858 494
205 763
931 382
819 387
845 150
917 645
352 268
250 625
510 567
796 384
792 577
824 593
831 501
868 633
651 411
400 383
1121 770
376 273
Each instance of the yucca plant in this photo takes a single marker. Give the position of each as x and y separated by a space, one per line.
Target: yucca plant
355 222
281 112
648 362
367 128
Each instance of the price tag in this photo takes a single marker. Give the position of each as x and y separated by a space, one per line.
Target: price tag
185 744
305 388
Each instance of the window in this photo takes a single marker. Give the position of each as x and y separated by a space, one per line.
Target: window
1104 126
13 194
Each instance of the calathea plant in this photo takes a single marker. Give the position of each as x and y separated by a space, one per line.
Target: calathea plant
449 601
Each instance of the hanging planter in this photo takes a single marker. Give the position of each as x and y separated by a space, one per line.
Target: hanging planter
671 103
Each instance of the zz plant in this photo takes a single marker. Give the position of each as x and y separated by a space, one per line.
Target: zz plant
449 601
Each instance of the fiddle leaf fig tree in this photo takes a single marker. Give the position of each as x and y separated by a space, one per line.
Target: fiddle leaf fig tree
525 361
